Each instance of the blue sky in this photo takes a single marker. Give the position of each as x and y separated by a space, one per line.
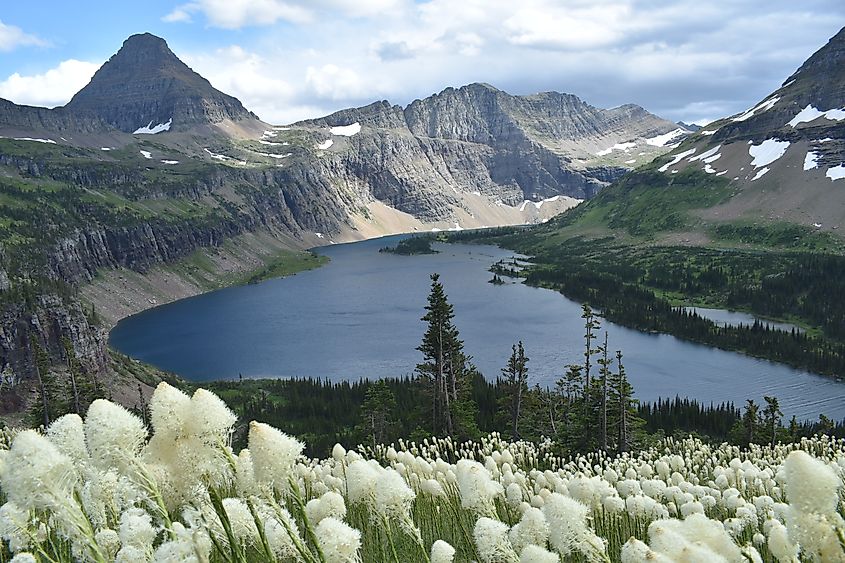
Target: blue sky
292 59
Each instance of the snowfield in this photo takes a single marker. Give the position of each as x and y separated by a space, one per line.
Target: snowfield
617 147
48 141
767 152
810 113
836 172
665 139
537 204
149 129
761 107
676 159
811 161
325 144
760 174
346 130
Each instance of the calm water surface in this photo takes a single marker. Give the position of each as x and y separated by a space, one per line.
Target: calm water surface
359 316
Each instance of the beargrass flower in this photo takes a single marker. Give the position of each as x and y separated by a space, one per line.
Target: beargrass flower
114 436
492 543
442 552
339 542
537 554
274 455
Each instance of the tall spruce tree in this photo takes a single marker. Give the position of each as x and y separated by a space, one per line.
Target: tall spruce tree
445 369
515 381
771 418
600 392
378 411
50 402
622 409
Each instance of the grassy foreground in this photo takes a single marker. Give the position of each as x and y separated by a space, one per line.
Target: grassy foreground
101 489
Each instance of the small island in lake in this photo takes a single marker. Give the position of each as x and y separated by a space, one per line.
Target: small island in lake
410 246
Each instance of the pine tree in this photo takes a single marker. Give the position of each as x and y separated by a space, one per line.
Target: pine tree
622 406
73 371
604 363
50 404
750 421
515 382
771 418
378 411
445 369
591 325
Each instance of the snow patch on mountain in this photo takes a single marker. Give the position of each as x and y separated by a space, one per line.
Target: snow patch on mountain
48 141
147 154
215 156
810 113
676 159
325 144
347 130
707 154
811 161
663 140
625 147
537 204
836 172
149 129
767 152
761 107
760 174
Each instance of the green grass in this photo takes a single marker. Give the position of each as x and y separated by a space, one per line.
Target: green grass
286 263
779 235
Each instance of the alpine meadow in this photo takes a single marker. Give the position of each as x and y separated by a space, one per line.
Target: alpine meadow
418 281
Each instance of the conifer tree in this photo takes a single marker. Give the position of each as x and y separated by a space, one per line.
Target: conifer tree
771 418
378 410
750 421
445 369
622 407
49 404
604 363
515 381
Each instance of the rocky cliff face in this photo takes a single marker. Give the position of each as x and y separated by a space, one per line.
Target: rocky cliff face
477 139
144 84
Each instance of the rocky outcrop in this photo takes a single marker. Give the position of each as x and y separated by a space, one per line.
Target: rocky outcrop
50 319
29 118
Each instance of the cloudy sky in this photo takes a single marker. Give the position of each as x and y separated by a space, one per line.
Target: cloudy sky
291 59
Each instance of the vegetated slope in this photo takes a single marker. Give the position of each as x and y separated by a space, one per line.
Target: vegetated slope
760 199
151 184
772 176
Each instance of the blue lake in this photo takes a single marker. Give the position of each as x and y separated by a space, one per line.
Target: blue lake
359 316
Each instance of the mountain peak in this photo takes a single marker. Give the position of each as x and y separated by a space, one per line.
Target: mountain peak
145 84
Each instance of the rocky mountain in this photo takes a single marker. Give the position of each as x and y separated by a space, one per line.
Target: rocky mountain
145 87
778 167
151 185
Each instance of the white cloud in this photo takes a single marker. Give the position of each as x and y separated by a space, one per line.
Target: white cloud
54 87
177 15
235 14
335 83
12 37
